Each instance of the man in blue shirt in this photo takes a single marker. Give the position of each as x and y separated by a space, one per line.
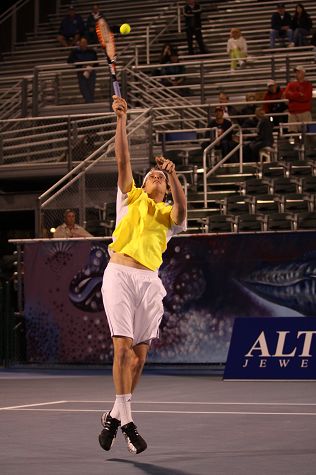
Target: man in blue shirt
86 73
281 26
71 28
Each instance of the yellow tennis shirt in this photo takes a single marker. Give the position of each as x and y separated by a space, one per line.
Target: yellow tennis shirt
143 227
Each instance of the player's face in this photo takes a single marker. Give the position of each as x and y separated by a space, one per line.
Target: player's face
156 180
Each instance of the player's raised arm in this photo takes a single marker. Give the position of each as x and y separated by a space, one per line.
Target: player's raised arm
179 208
125 177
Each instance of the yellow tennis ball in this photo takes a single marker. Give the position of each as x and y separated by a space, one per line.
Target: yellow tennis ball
125 29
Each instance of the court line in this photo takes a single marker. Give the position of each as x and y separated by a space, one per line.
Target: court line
32 405
247 413
202 403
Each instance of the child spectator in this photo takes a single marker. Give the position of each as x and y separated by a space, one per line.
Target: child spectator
236 48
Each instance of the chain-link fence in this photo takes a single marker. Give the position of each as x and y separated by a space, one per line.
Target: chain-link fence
90 187
54 140
59 85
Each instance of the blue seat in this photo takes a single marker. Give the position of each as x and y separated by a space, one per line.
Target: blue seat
180 136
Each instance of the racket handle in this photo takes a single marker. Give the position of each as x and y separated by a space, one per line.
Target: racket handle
116 87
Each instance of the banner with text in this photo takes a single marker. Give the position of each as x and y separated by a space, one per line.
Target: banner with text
210 280
272 348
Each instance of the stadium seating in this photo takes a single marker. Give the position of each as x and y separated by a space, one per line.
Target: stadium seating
268 195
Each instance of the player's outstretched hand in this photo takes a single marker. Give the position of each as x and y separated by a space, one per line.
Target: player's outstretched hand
119 106
165 165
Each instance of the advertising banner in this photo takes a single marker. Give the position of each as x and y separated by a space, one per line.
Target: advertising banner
210 281
272 348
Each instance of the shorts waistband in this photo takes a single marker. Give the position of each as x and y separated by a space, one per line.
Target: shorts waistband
133 270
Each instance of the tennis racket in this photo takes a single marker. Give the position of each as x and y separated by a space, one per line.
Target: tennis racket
106 40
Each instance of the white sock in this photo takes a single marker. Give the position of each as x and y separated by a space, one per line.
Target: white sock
122 408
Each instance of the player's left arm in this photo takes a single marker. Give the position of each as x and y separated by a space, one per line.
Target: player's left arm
179 208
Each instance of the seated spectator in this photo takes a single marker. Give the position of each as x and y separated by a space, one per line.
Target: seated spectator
273 93
69 228
301 25
229 110
236 49
281 22
264 137
174 71
90 24
167 51
248 110
71 28
221 125
86 73
165 57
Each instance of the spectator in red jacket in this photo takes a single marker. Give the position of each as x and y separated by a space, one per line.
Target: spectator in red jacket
273 93
299 94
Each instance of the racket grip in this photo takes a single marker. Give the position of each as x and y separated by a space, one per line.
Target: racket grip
116 87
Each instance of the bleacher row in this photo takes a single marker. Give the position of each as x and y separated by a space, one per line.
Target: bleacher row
267 196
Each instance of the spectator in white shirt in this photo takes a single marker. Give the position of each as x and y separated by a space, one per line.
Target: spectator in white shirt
69 228
236 49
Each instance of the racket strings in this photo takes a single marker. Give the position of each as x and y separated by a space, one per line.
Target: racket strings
106 38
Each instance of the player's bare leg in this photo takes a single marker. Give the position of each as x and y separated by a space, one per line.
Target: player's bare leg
127 367
140 355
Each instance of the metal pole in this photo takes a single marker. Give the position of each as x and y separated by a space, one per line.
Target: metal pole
56 89
273 67
241 151
8 326
35 93
136 55
179 17
1 146
124 83
287 65
38 219
150 133
202 83
13 28
24 84
57 7
19 271
304 142
147 45
36 16
69 144
82 200
2 324
163 143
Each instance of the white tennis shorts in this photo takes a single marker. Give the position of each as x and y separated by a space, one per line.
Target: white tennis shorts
132 300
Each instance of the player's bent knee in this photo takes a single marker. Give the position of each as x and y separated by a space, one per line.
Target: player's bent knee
123 355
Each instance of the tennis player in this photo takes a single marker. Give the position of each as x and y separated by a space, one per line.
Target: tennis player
132 291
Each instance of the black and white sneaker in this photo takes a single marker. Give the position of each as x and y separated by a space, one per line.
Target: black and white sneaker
135 443
108 434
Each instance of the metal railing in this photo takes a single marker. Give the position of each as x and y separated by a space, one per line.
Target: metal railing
303 134
154 93
53 140
14 100
209 148
72 189
15 15
67 139
205 76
